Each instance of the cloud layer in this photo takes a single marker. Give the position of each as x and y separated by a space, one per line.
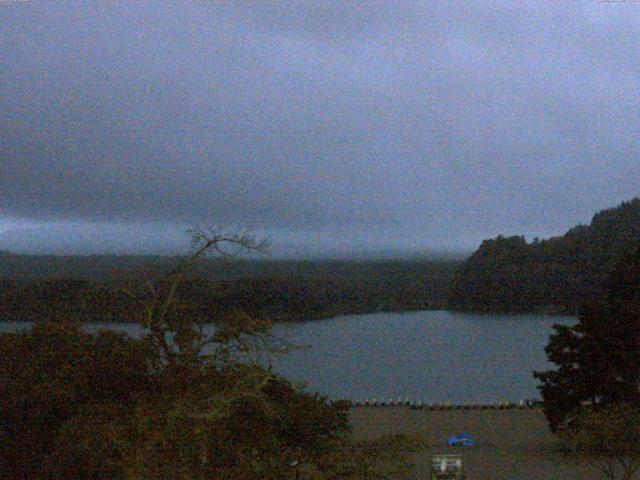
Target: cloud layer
424 123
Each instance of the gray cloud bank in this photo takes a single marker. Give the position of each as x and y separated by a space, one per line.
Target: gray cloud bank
351 125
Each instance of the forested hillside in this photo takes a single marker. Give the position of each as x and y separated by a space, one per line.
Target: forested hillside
507 274
94 288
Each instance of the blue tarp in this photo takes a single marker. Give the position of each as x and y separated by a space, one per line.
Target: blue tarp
461 440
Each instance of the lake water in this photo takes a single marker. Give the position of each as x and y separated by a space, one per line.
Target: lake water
432 356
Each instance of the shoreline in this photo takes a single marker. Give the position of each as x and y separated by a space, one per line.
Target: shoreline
525 404
288 321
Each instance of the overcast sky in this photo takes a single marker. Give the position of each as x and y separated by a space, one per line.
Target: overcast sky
328 126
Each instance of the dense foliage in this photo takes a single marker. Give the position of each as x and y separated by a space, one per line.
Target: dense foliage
77 405
608 439
598 359
273 290
552 276
51 375
175 403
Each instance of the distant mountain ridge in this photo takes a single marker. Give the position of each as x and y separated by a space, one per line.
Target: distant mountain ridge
509 275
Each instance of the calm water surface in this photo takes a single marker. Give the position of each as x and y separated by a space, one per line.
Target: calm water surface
433 356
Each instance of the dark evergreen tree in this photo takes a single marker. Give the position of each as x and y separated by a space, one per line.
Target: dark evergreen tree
598 359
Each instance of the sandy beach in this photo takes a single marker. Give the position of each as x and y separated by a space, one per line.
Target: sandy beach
510 444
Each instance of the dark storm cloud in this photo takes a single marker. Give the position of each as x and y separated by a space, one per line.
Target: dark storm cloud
414 122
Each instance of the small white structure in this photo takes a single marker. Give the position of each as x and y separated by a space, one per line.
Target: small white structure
447 467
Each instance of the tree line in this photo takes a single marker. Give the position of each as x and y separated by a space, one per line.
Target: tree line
279 291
